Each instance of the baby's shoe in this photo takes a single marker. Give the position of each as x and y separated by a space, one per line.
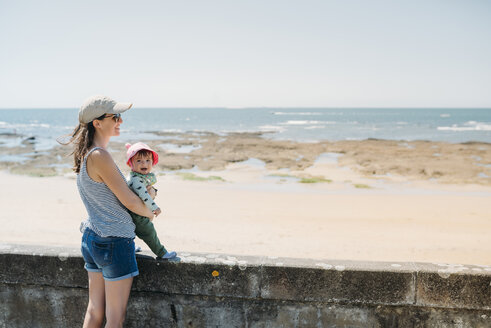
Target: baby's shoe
170 256
138 249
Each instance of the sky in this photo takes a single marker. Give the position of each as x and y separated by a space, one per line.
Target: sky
250 53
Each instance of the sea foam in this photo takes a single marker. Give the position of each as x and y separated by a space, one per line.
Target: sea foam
297 113
300 122
468 126
274 128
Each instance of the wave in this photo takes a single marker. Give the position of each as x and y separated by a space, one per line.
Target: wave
273 128
444 115
40 125
297 113
300 122
23 125
468 126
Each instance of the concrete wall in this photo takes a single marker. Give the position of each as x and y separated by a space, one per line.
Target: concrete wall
47 287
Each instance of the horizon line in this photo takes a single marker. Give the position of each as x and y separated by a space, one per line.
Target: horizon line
269 107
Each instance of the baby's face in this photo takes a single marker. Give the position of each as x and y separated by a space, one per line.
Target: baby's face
142 165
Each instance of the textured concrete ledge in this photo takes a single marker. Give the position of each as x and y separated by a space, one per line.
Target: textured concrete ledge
47 286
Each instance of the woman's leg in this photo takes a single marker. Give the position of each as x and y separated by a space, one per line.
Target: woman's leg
95 310
117 294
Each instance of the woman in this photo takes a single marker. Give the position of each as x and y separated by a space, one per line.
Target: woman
107 243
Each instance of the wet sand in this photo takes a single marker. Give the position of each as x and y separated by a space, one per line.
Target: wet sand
360 200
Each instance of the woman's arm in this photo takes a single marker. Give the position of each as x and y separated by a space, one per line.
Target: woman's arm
102 164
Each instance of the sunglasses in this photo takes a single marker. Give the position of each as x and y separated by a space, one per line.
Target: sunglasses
116 117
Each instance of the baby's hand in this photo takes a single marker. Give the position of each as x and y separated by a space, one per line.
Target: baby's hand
157 212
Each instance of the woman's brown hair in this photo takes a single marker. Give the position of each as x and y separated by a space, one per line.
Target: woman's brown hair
82 138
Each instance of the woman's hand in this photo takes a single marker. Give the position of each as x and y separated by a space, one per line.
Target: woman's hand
152 191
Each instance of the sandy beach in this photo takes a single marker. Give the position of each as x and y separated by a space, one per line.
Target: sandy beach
243 194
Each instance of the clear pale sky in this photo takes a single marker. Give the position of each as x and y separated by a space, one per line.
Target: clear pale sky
250 53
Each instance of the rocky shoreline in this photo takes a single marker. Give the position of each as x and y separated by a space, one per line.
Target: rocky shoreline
462 163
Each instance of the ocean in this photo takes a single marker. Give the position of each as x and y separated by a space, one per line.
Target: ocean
299 124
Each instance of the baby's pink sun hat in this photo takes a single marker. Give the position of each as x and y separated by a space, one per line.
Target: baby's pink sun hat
132 149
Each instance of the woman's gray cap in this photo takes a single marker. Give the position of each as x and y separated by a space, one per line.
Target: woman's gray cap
96 106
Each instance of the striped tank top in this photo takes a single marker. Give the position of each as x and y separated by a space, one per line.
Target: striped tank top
107 215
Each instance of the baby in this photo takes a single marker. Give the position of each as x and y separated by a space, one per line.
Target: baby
141 159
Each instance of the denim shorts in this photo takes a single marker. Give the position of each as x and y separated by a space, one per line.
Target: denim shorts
113 256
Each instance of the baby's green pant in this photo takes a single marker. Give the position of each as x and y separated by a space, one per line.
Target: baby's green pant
146 231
